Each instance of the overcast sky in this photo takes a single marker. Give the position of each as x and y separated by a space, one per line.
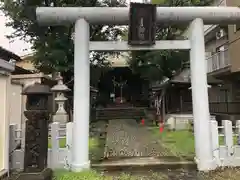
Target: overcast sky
18 46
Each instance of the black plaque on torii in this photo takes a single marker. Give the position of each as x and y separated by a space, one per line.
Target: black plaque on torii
142 24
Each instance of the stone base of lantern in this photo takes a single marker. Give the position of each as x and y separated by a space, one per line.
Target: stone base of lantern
46 174
61 118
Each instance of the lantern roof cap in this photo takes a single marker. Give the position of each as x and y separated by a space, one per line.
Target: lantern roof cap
36 88
60 87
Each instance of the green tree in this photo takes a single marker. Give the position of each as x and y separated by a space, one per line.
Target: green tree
155 65
54 46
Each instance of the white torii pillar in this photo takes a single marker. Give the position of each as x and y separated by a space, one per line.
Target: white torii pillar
201 115
81 16
81 113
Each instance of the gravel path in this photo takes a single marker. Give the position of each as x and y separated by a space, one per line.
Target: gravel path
126 138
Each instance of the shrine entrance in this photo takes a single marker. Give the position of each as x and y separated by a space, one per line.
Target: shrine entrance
121 86
143 33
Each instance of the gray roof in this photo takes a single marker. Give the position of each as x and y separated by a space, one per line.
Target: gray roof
184 77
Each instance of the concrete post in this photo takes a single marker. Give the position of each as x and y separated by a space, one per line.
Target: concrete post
81 114
202 132
55 127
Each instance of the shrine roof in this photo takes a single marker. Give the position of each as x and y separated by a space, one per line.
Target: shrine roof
7 55
183 77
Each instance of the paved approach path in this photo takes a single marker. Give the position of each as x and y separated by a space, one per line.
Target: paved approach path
126 138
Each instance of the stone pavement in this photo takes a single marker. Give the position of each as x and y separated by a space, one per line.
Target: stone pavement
127 138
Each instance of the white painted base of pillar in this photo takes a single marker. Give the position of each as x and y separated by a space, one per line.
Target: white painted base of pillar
206 165
80 167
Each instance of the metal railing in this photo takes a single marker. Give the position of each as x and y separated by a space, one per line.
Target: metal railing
218 61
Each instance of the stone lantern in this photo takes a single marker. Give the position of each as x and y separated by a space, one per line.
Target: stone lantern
36 135
61 115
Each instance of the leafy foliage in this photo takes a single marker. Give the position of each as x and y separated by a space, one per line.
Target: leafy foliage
53 46
155 65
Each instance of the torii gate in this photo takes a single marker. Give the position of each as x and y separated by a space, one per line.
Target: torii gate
196 16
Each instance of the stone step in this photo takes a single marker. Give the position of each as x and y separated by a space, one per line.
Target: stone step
145 164
118 117
123 113
120 114
115 113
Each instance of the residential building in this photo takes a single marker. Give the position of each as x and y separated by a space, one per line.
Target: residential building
223 62
7 65
26 62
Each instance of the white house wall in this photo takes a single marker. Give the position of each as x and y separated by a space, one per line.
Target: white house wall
16 109
4 128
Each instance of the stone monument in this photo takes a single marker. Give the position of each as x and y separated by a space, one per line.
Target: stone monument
36 135
61 115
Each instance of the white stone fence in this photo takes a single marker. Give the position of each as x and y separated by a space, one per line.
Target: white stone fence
59 154
226 143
